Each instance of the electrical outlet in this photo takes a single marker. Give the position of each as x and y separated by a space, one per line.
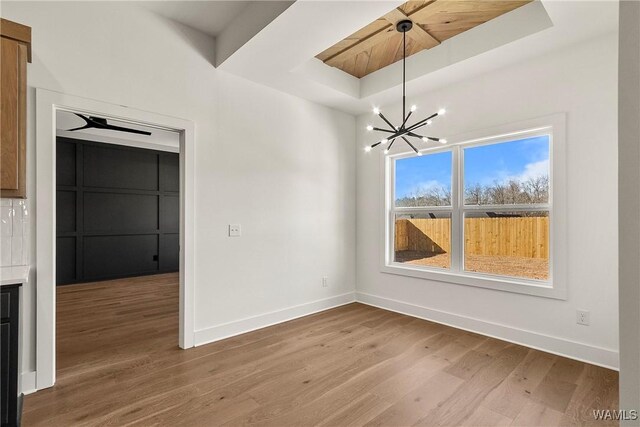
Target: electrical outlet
582 317
325 282
235 230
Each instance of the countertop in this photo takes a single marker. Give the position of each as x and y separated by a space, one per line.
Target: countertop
14 275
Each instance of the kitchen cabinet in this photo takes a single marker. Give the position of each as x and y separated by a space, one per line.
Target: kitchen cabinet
15 53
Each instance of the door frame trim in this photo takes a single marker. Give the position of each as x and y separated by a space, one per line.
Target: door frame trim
47 103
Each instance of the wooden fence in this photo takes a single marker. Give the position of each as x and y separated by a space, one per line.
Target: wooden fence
517 236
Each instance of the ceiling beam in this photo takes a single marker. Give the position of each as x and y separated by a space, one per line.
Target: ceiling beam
417 33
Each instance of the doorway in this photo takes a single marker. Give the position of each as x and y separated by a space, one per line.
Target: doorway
117 241
110 245
118 210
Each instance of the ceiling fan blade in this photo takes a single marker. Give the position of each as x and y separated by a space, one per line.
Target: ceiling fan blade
101 123
87 123
80 128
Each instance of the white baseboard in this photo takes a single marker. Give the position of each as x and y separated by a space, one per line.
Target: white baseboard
27 383
574 350
227 330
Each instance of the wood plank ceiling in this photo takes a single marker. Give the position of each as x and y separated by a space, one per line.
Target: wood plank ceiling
379 44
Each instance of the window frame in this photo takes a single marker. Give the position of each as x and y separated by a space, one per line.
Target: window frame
555 287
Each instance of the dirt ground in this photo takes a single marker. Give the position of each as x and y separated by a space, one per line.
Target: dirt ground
530 268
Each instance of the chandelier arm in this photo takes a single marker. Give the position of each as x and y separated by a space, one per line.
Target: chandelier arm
387 121
391 144
410 144
403 132
431 138
415 135
385 130
412 128
422 122
376 144
405 119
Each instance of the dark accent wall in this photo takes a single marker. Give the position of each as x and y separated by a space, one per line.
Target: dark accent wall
117 211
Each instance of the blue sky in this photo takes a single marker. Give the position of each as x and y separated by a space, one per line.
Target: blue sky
484 165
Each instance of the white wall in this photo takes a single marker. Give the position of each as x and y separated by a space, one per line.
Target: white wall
282 167
629 179
581 81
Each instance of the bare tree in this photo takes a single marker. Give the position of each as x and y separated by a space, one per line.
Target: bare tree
531 191
475 195
497 194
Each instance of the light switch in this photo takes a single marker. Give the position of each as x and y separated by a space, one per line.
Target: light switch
235 230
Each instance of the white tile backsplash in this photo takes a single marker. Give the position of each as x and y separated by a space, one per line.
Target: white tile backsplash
14 232
5 251
6 221
16 250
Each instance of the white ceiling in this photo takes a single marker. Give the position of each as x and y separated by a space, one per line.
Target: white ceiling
282 54
277 48
210 17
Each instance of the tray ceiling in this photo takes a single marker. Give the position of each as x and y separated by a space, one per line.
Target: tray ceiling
379 44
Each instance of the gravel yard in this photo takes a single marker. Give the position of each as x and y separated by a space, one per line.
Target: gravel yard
530 268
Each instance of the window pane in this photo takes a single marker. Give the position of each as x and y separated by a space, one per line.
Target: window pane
512 244
424 180
423 239
515 172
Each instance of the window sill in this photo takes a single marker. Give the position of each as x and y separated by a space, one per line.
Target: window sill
540 289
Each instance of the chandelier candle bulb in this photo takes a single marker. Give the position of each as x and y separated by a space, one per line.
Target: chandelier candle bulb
405 130
367 148
443 141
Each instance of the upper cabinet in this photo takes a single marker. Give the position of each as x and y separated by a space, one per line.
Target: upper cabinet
16 52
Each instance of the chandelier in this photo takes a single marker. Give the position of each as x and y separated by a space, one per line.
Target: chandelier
404 131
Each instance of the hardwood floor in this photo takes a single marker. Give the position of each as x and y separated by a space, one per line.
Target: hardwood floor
119 364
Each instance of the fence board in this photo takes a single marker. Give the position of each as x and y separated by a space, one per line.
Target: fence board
514 236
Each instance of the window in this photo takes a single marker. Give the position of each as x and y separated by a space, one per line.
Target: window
499 238
476 212
422 220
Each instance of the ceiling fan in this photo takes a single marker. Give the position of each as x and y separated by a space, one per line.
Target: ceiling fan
101 123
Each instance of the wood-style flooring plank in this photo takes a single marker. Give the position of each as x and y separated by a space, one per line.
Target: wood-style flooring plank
119 364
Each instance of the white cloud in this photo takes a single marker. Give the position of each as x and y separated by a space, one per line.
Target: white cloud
532 170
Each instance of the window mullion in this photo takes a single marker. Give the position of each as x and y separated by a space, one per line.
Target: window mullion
456 221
